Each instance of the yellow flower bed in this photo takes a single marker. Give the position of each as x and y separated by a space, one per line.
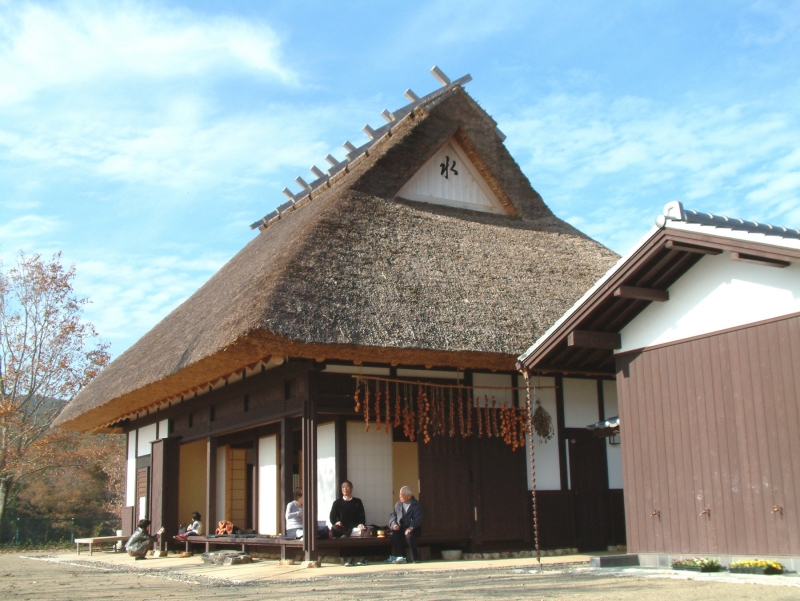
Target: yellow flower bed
758 563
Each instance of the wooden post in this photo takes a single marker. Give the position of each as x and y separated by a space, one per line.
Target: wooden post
310 470
255 498
287 468
164 488
340 450
211 484
562 450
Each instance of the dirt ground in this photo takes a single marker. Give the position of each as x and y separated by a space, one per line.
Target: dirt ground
42 578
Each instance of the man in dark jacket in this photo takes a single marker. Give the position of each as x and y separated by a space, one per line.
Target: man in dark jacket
405 522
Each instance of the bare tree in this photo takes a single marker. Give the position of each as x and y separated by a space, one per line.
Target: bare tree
48 354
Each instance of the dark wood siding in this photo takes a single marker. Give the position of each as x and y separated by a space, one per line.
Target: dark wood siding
713 423
444 473
164 485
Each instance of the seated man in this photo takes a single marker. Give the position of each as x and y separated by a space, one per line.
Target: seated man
347 514
405 522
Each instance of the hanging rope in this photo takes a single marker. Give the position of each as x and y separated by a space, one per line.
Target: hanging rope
533 469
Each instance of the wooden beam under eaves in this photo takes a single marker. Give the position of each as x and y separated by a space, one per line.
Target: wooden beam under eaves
691 248
759 260
599 340
638 293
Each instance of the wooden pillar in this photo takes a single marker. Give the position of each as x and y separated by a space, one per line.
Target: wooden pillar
560 436
340 426
255 497
287 468
601 402
211 484
164 488
310 470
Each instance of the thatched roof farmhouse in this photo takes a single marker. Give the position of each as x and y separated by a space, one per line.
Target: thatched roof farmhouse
357 272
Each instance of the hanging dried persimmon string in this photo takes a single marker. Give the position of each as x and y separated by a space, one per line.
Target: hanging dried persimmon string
461 413
388 421
366 405
436 409
397 410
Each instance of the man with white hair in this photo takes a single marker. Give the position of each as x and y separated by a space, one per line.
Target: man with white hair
405 522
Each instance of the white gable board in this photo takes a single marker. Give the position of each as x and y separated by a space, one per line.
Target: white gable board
449 178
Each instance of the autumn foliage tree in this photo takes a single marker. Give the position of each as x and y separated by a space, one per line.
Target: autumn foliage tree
48 354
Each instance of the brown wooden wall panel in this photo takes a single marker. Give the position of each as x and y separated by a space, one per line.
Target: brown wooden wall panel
712 424
128 520
164 486
501 491
556 519
444 473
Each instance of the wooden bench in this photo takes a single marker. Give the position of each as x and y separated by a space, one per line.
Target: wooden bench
95 540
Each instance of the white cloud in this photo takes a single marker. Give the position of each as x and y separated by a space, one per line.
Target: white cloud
624 154
134 94
52 46
132 293
19 232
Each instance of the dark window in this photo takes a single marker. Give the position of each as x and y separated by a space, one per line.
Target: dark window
246 402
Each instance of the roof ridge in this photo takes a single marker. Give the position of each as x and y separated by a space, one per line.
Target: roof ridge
674 211
354 153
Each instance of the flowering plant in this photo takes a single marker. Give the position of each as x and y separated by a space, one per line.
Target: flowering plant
766 564
696 562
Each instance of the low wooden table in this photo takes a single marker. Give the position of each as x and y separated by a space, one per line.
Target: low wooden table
284 543
101 540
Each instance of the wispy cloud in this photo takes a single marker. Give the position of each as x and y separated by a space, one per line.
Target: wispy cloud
130 294
65 44
607 158
137 94
20 232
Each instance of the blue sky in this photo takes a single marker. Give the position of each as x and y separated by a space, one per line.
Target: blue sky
142 138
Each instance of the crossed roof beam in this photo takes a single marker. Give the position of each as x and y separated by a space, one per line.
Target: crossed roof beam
353 152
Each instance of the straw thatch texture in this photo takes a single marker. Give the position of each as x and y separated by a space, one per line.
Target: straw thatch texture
356 274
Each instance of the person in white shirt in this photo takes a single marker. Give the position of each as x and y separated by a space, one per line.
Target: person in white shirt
196 527
294 516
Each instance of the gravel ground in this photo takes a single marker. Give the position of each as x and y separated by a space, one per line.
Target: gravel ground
38 577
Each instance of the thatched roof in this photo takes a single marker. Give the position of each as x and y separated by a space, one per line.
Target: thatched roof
357 274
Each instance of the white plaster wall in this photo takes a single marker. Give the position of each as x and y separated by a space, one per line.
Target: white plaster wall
502 396
327 487
222 478
147 434
268 485
163 429
130 481
369 468
613 452
716 294
548 468
580 402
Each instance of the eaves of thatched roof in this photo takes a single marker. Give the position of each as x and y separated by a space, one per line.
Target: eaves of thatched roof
358 274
